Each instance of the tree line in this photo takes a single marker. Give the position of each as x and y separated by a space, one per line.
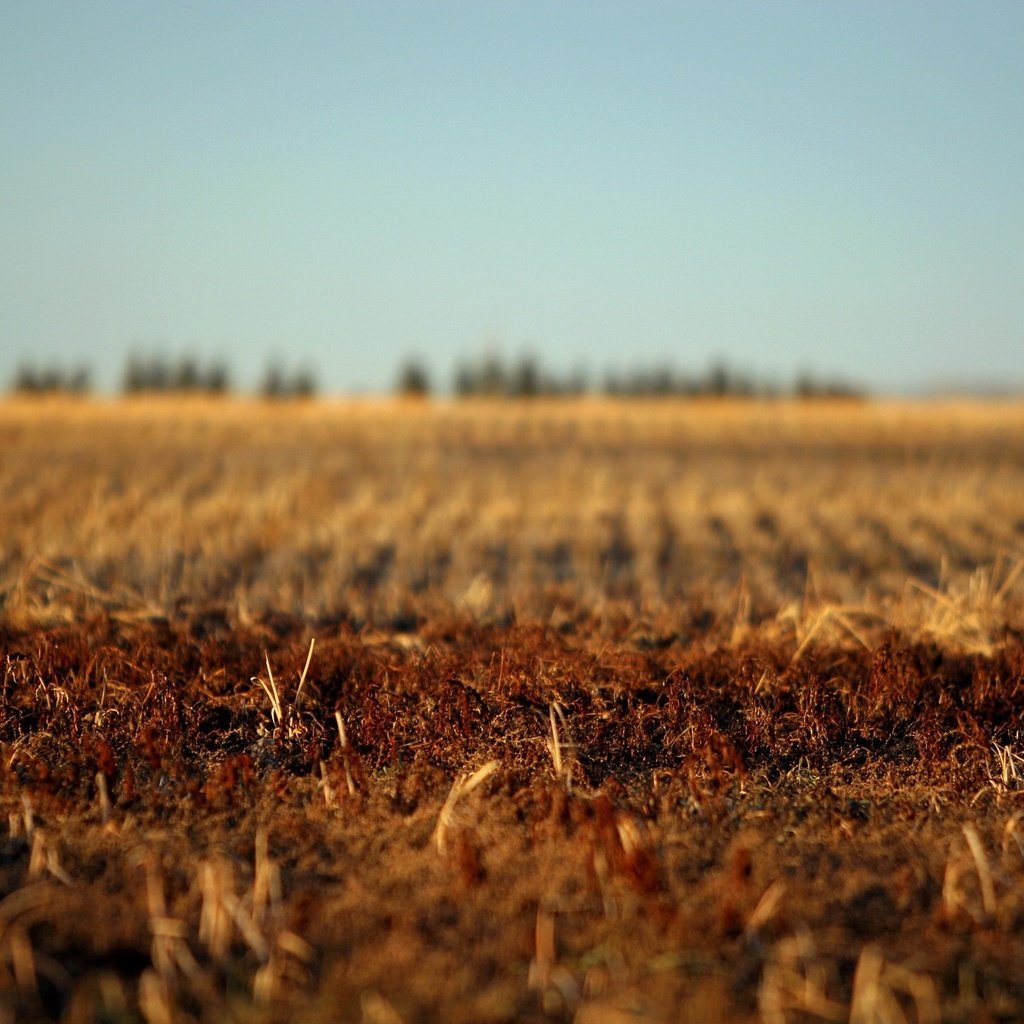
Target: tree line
494 377
156 375
490 376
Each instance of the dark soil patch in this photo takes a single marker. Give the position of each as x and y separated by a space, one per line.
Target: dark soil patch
660 830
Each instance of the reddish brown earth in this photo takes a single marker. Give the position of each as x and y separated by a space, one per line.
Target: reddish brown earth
665 829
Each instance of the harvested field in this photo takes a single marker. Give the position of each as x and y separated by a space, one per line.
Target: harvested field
615 712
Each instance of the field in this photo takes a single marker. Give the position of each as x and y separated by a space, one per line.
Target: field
591 711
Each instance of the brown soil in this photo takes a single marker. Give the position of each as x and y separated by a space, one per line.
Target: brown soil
668 831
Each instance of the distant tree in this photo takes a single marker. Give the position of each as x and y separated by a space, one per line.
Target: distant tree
805 386
134 378
464 380
662 382
809 387
303 384
146 373
273 385
218 379
719 380
491 379
79 381
277 384
33 380
154 374
526 380
26 380
413 380
186 376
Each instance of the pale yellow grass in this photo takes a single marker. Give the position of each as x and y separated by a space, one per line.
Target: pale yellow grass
822 521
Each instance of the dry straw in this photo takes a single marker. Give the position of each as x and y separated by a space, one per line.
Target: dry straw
560 744
279 714
461 788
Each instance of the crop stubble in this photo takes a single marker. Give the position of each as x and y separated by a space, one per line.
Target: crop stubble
617 712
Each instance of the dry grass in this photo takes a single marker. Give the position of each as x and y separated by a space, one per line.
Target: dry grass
831 522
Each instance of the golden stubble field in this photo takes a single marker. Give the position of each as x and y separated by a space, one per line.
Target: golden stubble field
616 711
378 510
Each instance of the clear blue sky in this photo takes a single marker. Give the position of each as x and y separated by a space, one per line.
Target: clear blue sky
834 186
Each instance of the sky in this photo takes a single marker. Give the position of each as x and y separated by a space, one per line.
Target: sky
827 187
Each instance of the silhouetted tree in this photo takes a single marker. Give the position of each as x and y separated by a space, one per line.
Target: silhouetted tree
273 385
218 379
79 381
155 374
33 380
719 382
526 381
463 382
491 380
277 384
186 375
413 380
303 384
